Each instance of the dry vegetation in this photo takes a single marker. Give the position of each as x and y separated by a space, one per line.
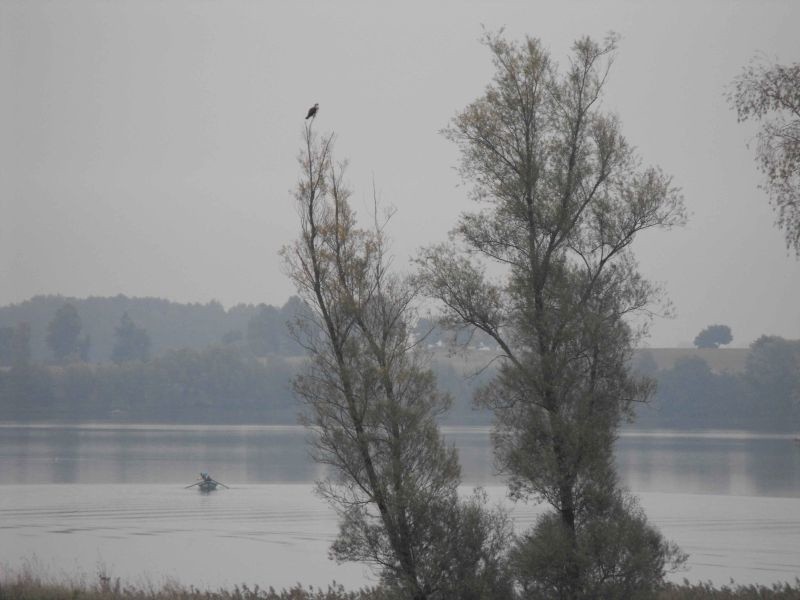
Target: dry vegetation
706 591
26 586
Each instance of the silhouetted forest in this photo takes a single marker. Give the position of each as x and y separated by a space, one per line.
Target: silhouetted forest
763 396
134 359
169 325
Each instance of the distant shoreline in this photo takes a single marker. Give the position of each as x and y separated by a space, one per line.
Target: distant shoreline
660 432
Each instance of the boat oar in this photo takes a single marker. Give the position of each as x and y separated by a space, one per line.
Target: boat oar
222 484
194 484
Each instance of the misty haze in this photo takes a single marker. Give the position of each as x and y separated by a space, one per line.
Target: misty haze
425 301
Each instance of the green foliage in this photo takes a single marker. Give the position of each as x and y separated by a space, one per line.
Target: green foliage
372 404
619 554
563 197
770 94
713 336
475 561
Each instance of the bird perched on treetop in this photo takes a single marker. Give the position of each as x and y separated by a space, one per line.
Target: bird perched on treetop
312 112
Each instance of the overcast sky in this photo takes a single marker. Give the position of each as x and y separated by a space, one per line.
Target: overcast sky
149 148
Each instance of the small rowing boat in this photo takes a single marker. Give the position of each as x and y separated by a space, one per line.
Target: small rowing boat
206 483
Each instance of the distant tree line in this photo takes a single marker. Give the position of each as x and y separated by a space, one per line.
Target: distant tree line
149 359
98 330
217 384
225 382
145 374
61 330
690 395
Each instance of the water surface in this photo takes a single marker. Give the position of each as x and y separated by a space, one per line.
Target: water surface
87 497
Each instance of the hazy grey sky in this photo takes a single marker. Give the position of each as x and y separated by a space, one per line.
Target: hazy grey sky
149 148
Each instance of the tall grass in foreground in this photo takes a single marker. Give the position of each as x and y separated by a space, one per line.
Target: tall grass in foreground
26 586
697 591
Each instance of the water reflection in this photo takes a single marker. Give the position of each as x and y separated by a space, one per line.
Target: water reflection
728 464
67 459
711 463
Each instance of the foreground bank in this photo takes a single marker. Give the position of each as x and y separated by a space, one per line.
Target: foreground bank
30 587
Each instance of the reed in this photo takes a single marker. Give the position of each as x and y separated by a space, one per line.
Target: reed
29 586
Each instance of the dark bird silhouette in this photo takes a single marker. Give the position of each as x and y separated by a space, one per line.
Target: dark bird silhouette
312 112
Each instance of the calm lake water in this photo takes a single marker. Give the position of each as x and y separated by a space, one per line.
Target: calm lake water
87 498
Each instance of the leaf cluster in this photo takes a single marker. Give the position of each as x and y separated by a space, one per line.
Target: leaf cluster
770 94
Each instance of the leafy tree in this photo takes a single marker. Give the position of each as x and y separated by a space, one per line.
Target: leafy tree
770 94
373 405
131 341
564 197
713 336
63 332
625 552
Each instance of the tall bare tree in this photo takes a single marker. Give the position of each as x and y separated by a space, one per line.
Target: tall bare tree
563 198
770 94
372 405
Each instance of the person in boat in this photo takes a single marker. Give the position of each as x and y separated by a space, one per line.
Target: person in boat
206 483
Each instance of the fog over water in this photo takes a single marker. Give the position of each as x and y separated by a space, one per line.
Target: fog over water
149 148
